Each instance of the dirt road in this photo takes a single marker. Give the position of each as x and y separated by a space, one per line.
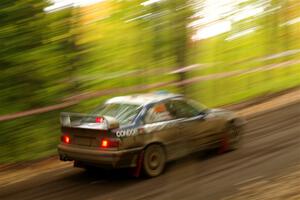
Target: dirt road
271 145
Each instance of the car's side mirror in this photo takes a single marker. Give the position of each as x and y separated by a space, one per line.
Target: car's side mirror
202 115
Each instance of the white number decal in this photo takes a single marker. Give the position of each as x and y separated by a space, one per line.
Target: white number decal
127 132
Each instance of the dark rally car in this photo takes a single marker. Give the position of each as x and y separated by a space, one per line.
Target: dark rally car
145 131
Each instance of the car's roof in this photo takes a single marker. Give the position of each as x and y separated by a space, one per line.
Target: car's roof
142 99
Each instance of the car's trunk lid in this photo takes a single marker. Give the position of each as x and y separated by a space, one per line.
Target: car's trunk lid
87 130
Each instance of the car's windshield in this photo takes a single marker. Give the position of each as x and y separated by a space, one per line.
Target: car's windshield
124 113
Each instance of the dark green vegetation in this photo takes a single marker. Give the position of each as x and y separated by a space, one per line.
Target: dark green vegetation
46 57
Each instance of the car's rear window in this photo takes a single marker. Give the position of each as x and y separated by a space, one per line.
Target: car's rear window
124 113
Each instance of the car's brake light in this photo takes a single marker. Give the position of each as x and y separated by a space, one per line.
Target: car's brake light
109 143
104 143
65 139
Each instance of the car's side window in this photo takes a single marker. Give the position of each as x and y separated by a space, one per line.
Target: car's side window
158 113
181 109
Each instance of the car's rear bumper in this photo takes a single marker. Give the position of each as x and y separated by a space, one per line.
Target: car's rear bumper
98 157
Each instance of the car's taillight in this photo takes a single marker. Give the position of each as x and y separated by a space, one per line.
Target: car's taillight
65 139
104 143
110 143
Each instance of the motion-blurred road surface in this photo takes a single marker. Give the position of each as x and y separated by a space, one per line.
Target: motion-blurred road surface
270 146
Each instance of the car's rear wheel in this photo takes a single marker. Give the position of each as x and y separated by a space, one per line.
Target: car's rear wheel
154 160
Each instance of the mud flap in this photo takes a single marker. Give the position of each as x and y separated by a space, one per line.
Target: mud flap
139 164
224 144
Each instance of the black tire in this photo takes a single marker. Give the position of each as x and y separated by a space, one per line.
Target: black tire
154 160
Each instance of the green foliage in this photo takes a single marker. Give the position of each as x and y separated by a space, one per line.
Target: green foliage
48 56
36 59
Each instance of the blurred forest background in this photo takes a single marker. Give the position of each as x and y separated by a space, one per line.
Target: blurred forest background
217 52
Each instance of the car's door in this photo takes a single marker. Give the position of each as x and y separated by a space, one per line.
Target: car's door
196 128
159 125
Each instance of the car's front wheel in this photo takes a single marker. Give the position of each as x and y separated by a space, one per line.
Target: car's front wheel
154 160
